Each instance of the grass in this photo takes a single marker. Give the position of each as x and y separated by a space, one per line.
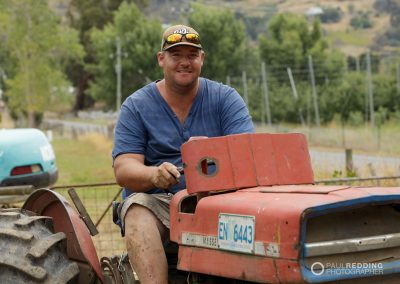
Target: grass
352 37
86 160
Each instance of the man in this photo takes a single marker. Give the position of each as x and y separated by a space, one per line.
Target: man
153 124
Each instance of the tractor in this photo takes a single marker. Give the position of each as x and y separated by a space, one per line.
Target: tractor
251 213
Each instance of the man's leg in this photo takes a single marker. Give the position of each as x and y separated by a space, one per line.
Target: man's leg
144 235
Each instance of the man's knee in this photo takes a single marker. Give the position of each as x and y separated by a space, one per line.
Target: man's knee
138 215
139 218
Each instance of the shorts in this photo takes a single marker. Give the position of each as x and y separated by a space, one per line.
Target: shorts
158 203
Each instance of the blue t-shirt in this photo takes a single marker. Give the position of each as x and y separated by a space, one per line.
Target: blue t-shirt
148 126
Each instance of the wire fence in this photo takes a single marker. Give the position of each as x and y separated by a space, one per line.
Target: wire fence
97 199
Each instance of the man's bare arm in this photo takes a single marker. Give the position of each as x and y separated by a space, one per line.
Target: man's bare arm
130 172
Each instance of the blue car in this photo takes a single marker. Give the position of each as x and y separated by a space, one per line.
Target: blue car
26 158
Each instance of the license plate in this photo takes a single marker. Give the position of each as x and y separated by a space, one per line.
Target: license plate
236 232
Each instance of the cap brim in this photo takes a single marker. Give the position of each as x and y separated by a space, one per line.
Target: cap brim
183 43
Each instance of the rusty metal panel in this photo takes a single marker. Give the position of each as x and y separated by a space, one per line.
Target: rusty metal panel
235 266
277 223
294 222
292 159
243 167
264 159
246 160
285 224
178 221
195 152
288 271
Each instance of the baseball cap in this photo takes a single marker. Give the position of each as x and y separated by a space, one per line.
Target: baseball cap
180 35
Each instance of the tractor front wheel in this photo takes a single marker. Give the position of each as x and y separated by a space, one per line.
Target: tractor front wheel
30 251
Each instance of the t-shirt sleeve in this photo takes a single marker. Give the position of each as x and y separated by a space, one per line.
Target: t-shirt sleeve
235 117
130 134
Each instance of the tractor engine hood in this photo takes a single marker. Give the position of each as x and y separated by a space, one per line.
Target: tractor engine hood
251 212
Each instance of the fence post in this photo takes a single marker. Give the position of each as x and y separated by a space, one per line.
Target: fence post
265 92
370 90
358 63
295 95
372 172
245 94
349 162
228 80
118 71
314 91
398 78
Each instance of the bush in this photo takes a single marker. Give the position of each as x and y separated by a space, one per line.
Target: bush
395 117
356 118
331 15
361 21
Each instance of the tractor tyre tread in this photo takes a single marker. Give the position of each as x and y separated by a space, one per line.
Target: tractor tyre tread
30 252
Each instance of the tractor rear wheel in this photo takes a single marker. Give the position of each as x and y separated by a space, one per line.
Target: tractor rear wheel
30 252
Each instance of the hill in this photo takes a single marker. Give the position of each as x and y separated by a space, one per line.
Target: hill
256 13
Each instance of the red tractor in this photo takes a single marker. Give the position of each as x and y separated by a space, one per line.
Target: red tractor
250 213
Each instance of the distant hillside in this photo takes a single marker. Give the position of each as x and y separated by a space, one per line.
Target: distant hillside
256 13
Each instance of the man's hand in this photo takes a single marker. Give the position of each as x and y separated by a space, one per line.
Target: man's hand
165 176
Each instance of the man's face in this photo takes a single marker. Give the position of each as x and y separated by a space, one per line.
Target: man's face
181 64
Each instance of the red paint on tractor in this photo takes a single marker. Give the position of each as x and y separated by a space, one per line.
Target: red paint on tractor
262 177
247 160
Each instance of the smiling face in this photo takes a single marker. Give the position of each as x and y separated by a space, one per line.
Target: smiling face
181 65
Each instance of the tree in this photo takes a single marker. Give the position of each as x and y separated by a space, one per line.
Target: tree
223 39
84 15
361 20
140 40
385 93
291 41
344 98
40 46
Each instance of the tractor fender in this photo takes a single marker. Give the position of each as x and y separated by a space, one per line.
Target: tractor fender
80 246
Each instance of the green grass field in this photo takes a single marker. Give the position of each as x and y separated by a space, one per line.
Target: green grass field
86 160
353 37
